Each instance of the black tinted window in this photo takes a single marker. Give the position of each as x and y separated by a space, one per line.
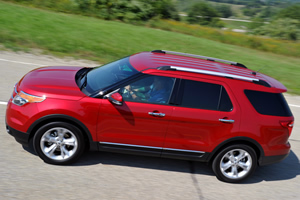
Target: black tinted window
269 103
205 96
225 103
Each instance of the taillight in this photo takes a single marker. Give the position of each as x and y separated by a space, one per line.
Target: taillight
288 124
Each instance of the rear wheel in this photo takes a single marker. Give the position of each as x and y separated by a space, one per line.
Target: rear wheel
59 143
235 163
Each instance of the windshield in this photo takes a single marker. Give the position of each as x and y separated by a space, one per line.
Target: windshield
109 74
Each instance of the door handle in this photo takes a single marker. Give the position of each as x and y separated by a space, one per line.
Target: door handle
157 114
227 120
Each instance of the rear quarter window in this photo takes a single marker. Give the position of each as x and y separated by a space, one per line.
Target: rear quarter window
267 103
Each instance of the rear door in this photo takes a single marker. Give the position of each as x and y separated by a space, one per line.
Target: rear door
206 115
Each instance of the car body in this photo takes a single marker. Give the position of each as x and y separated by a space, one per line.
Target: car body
159 103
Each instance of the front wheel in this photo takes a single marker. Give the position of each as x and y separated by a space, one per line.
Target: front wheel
59 143
235 163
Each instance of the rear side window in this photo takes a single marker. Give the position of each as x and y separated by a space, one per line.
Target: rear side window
267 103
205 96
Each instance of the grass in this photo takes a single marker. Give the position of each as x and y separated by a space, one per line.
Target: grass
236 24
288 48
83 37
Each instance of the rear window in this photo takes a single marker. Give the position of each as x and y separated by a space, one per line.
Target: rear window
267 103
205 96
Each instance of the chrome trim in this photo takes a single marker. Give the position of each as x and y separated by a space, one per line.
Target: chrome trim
44 96
183 150
227 120
150 147
107 95
214 73
130 145
15 88
199 56
157 114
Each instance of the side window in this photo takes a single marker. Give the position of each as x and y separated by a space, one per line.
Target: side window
205 96
267 103
151 89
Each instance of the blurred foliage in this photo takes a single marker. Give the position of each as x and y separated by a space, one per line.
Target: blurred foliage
124 10
256 23
224 10
283 28
204 14
254 42
260 2
292 12
286 25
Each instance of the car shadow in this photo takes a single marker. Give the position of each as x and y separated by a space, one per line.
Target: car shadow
148 162
285 170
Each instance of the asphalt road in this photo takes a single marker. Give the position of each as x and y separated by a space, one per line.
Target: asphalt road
101 175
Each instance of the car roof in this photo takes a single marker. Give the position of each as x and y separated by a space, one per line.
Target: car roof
170 60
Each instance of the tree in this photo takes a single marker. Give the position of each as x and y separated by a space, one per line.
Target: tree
284 28
165 9
203 14
292 12
224 10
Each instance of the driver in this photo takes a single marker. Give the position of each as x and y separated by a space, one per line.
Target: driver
158 92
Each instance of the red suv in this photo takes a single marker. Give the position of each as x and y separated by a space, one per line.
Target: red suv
158 103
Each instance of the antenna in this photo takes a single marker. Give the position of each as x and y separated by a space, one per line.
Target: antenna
254 73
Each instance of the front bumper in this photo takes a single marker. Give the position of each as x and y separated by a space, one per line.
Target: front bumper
21 137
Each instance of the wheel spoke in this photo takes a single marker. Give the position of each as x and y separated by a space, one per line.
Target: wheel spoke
229 155
242 156
70 141
64 152
234 171
50 150
244 166
48 138
226 165
61 133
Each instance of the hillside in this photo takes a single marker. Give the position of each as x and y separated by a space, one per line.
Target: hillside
23 28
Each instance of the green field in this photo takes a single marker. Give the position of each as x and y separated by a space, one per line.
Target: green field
22 28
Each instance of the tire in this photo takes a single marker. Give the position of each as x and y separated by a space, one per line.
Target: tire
59 143
235 163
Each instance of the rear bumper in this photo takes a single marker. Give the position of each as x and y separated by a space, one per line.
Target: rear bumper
267 160
21 137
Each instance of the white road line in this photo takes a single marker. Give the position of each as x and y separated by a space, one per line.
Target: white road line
3 103
294 105
25 63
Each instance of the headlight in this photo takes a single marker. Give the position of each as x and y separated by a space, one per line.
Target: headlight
22 98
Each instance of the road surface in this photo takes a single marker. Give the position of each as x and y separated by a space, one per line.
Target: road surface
101 175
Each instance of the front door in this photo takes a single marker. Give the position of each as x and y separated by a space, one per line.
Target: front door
141 122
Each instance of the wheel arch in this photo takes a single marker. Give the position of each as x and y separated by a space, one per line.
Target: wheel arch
238 140
91 145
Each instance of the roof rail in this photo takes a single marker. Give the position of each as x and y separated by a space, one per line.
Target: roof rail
207 72
202 57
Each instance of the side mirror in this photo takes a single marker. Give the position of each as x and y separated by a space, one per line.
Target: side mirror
116 98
